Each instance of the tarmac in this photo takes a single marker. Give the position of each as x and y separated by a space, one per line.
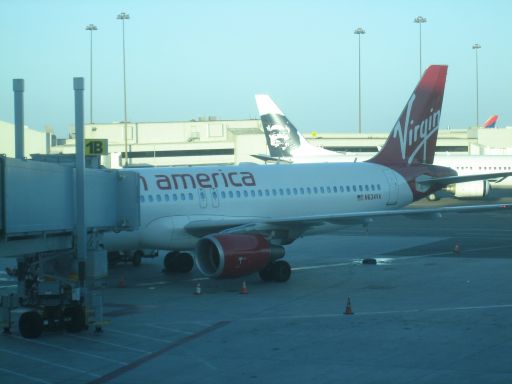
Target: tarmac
427 312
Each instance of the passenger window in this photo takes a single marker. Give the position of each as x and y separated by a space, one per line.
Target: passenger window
223 194
360 188
191 196
230 193
158 198
378 187
183 196
260 193
308 190
166 197
214 195
238 194
342 189
295 191
288 191
322 189
335 189
315 190
301 190
354 188
281 192
253 194
150 198
373 187
175 197
267 192
366 188
142 199
274 192
246 194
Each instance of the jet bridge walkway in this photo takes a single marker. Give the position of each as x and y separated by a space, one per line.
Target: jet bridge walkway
37 226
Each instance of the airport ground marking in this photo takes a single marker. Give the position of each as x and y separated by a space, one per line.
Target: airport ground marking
371 313
110 344
29 357
70 350
131 334
37 380
170 329
175 344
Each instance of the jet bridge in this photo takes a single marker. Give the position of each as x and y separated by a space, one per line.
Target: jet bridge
37 226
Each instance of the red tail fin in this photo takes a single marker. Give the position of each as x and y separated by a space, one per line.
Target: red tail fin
413 138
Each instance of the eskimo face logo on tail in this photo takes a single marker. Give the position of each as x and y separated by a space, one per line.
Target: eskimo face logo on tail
414 137
279 136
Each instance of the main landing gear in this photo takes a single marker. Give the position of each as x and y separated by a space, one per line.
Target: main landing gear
279 271
178 262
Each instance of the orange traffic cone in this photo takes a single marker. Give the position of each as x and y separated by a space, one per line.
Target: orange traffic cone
198 289
243 290
348 308
122 282
456 248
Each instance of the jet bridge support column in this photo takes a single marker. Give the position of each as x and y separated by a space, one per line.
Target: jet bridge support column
18 86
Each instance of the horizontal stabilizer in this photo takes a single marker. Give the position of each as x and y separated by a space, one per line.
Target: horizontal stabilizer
443 181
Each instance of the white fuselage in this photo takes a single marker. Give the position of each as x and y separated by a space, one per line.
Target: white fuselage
173 197
463 164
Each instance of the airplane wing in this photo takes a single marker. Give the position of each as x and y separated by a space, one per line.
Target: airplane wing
299 224
444 181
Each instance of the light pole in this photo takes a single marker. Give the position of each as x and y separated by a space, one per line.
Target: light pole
124 16
359 31
476 47
420 20
91 27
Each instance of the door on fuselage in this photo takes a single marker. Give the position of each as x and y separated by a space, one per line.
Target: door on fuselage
392 187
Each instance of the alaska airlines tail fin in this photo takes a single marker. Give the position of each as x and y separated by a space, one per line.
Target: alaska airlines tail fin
413 138
283 139
491 122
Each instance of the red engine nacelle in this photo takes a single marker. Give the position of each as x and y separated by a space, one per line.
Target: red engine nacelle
234 255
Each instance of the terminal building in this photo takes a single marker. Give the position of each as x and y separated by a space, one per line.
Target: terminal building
213 141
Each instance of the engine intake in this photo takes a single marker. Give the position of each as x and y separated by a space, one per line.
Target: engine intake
225 256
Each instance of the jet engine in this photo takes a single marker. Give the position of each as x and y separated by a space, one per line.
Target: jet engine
470 189
232 255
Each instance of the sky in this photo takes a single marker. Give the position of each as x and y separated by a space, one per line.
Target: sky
191 58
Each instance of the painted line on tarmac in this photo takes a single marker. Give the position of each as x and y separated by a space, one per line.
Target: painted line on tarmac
47 362
137 335
170 329
70 350
118 372
371 313
31 378
110 344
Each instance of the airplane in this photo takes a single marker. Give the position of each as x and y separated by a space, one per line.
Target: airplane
286 144
491 122
237 219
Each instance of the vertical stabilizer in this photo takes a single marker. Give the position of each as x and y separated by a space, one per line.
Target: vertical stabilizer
282 137
413 138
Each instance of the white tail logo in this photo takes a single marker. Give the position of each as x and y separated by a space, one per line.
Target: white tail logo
416 135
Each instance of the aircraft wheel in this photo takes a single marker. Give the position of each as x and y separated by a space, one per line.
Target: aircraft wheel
178 262
432 197
75 317
31 325
281 271
186 262
137 258
266 273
